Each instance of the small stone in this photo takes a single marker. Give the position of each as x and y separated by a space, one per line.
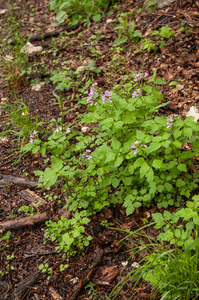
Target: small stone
74 280
193 112
37 87
135 265
108 21
85 129
3 11
80 69
9 57
29 48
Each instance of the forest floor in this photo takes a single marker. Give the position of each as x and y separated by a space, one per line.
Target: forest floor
106 261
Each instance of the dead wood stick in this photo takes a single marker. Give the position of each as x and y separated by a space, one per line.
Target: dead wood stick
29 281
28 221
86 279
7 179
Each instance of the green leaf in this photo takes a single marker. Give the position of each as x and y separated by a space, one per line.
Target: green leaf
157 164
97 17
158 217
110 156
153 147
168 187
182 167
127 180
187 132
180 183
49 177
150 175
56 163
144 169
160 188
61 15
27 147
118 125
160 81
118 41
177 144
116 144
115 182
118 161
138 163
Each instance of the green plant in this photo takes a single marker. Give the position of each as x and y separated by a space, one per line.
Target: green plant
93 293
129 30
151 4
10 256
19 120
63 267
69 233
132 157
2 273
10 215
146 44
46 269
78 10
51 196
175 271
105 223
6 238
30 209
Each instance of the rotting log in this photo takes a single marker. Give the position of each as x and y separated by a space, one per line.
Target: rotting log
25 222
7 179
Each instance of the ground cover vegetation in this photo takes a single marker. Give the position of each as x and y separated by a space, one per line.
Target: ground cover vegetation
115 148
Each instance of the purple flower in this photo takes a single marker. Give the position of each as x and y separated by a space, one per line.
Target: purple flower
136 145
133 145
170 119
140 76
32 136
175 115
169 124
91 94
107 96
85 155
135 151
137 93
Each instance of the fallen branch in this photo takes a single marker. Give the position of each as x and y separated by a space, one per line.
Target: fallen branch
25 222
29 281
7 179
86 279
52 34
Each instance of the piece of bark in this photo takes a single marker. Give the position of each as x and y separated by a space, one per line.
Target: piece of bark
32 197
28 221
108 274
7 179
29 281
54 294
86 279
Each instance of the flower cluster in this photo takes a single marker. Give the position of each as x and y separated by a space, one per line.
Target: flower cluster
137 93
140 76
32 136
107 96
91 94
86 154
170 120
136 145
